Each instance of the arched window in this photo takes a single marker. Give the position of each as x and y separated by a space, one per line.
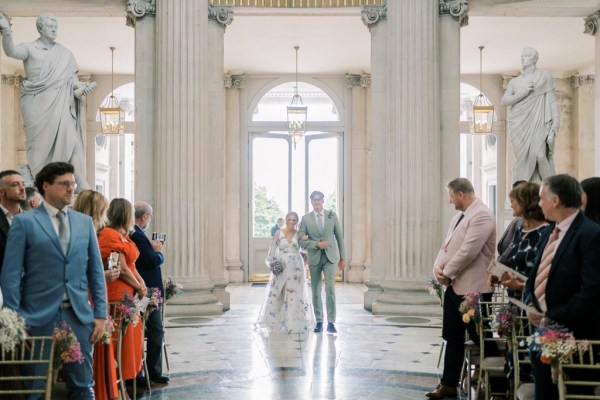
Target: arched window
126 96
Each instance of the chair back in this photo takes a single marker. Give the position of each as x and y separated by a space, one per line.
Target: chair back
117 339
580 378
521 330
490 364
35 350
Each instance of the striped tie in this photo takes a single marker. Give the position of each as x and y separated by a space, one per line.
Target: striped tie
544 269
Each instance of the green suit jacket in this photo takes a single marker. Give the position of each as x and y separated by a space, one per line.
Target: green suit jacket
332 233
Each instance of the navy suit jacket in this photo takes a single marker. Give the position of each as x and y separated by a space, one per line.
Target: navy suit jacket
149 261
573 287
36 272
4 227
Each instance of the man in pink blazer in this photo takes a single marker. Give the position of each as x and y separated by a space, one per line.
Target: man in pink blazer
461 265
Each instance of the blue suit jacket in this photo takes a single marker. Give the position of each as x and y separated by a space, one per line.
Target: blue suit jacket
573 287
149 261
36 273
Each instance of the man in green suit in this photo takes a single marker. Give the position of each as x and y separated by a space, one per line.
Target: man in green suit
320 234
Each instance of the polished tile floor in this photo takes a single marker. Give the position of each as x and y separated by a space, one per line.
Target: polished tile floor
371 357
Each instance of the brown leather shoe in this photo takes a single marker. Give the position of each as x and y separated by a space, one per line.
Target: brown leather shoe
441 392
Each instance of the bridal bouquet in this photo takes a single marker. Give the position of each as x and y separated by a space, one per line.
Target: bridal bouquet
276 265
555 345
470 307
504 319
154 298
435 288
129 309
66 346
12 329
172 288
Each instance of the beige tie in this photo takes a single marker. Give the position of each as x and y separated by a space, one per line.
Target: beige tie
320 222
544 269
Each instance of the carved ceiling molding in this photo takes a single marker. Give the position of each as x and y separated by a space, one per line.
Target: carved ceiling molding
296 4
456 8
138 9
222 14
591 24
582 80
234 81
355 80
371 15
11 80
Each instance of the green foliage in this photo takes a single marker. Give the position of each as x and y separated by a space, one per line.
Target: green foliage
266 212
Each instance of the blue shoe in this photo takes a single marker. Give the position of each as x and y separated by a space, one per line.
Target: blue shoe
331 327
318 327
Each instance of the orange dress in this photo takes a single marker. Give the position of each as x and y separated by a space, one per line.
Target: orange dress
133 340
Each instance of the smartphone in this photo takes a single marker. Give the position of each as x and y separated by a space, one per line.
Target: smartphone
113 259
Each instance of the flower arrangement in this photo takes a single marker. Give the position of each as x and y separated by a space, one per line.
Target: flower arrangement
129 309
155 298
66 346
109 328
470 307
503 320
276 265
172 288
12 329
554 344
435 288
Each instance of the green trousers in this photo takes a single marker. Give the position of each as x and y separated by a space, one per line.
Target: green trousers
328 269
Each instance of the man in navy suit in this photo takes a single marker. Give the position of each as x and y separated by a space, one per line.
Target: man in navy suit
52 265
564 288
148 265
12 192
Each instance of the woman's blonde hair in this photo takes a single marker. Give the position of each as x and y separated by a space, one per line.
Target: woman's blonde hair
94 204
121 215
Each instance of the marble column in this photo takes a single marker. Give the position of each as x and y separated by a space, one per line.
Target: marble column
232 217
592 25
583 123
189 151
406 167
358 271
141 14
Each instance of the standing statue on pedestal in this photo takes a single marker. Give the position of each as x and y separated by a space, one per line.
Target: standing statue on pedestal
50 98
533 120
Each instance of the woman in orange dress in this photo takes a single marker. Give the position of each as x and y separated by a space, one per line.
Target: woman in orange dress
94 204
115 237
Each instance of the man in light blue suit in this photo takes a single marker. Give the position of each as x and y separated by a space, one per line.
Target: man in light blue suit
51 265
320 234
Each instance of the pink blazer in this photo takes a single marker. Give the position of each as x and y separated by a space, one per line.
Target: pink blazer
468 250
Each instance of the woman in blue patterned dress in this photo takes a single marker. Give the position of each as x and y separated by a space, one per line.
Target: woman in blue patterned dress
287 307
520 256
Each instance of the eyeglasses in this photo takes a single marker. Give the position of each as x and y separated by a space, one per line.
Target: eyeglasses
67 184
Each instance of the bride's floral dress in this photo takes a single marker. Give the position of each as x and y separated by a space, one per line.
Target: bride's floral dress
287 307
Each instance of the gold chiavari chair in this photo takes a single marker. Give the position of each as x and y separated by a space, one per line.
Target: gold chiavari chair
117 342
35 350
521 360
570 375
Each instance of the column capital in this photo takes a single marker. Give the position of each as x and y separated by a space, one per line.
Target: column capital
234 81
139 9
371 15
455 8
11 80
221 14
591 23
581 80
362 80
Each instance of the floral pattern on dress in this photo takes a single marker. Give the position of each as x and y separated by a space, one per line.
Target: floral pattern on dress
287 307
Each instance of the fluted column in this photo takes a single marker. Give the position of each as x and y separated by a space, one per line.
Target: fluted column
189 158
360 227
406 191
583 109
141 15
232 218
592 26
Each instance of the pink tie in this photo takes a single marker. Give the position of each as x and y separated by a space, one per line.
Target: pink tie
544 269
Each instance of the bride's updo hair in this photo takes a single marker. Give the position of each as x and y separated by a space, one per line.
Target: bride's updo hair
292 214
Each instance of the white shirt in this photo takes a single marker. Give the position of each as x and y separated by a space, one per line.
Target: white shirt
52 211
9 216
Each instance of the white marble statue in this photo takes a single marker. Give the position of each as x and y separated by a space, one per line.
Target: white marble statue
533 120
50 98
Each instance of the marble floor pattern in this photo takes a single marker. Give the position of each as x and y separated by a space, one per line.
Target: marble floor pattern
371 357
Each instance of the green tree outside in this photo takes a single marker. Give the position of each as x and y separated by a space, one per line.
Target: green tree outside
266 212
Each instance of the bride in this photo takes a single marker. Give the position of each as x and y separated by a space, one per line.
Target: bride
287 307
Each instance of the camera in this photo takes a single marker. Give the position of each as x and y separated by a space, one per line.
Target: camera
159 236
